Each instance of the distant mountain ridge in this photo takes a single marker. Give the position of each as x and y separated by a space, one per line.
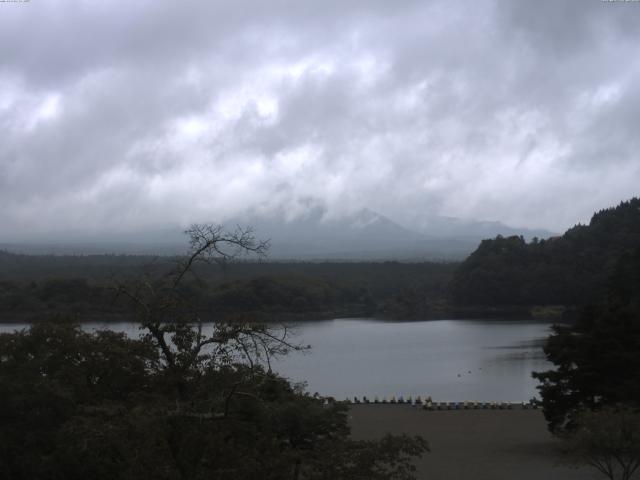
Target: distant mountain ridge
442 226
315 235
366 234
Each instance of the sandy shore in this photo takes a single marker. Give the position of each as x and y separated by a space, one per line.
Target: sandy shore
473 444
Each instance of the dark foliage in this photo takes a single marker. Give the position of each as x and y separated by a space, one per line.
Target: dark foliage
75 405
597 360
295 294
35 286
181 402
608 440
569 270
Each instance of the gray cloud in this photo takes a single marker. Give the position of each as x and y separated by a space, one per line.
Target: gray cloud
117 117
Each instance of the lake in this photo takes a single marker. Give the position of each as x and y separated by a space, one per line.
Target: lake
450 360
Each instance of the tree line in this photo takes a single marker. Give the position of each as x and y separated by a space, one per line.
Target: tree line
571 269
591 397
34 286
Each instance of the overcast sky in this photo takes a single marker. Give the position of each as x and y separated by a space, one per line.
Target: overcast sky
115 115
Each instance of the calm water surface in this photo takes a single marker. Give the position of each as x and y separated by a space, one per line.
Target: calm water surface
451 360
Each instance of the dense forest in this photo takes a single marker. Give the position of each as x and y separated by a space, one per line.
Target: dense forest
568 270
597 358
503 276
33 286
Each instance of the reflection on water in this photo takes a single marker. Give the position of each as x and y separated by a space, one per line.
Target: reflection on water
536 343
451 360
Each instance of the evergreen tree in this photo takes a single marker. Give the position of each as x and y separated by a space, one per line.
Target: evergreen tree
597 360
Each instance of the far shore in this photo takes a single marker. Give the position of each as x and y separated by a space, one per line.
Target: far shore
473 444
22 316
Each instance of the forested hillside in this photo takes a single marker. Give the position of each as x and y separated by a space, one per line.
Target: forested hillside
569 270
597 359
36 286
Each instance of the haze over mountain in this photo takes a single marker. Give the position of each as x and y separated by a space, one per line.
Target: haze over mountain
451 227
151 114
314 235
366 234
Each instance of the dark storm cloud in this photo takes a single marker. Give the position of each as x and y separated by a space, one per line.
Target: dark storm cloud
115 116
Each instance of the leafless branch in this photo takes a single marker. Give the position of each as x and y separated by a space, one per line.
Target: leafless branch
178 331
211 242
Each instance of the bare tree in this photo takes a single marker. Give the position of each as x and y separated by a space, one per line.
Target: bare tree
175 325
188 401
608 440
